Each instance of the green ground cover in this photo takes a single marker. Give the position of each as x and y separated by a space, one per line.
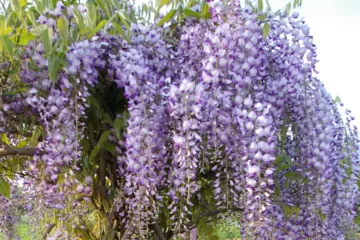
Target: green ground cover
23 231
221 233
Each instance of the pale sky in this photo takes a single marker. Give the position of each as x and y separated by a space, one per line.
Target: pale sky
335 25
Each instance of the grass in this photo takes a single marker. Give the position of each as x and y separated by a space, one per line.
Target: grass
23 231
232 232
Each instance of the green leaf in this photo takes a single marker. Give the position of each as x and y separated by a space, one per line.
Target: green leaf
108 119
79 20
189 13
167 17
265 30
63 26
268 6
22 144
86 161
288 8
85 144
6 31
103 5
357 219
118 127
321 215
9 175
295 3
337 100
124 15
249 3
35 136
9 45
121 31
1 45
62 61
5 139
260 5
38 30
261 17
110 147
296 209
22 37
291 210
103 138
48 4
74 34
46 39
23 3
106 204
4 188
343 162
349 171
287 210
14 71
94 102
16 7
205 10
91 14
98 27
116 4
133 17
125 23
277 13
282 162
25 39
277 189
39 7
292 175
161 4
54 67
83 233
31 17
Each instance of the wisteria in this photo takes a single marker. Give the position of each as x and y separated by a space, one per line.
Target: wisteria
222 102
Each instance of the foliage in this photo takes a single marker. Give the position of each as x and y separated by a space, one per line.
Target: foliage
121 122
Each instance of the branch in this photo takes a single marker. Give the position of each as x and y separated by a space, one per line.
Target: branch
156 227
17 151
3 5
126 234
18 173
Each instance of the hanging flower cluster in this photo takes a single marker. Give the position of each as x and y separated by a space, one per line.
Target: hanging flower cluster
8 216
222 100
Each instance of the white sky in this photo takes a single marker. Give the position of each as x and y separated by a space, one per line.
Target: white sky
335 25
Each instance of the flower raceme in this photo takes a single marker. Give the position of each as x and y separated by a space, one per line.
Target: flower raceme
222 101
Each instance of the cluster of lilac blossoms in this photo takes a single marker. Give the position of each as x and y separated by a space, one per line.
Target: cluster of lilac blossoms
57 107
223 101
